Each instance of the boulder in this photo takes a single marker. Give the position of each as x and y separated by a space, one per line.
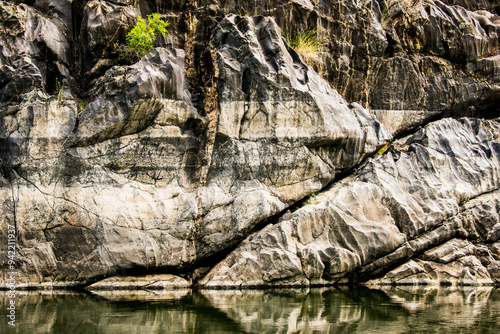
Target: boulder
417 196
148 282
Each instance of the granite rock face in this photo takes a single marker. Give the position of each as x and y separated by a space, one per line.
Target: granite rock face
139 180
223 157
35 52
399 205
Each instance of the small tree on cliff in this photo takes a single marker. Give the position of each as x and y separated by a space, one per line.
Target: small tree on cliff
141 39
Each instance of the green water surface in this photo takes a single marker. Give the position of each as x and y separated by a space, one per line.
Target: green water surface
326 310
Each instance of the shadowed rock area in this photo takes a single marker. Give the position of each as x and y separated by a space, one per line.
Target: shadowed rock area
226 159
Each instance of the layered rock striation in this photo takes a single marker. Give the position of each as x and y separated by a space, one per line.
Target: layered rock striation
422 202
223 157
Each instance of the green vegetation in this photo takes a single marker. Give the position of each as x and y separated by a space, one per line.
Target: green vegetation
59 90
384 148
305 43
314 198
386 18
313 195
141 39
82 105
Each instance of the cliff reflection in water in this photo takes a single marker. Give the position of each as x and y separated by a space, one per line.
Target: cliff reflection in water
329 310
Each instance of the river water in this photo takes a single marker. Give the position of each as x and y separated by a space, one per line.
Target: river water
326 310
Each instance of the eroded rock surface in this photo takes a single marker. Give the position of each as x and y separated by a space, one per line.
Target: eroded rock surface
400 205
140 179
114 168
149 282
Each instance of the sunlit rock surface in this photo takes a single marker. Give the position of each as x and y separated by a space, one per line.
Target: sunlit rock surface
416 196
148 282
139 179
222 156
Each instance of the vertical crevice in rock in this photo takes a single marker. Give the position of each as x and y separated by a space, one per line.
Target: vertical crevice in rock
78 48
201 68
211 108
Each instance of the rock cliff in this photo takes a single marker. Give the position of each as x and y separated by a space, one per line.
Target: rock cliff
224 158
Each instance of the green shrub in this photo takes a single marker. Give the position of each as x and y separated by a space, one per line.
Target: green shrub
141 39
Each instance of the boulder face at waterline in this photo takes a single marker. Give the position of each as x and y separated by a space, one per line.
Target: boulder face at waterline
223 157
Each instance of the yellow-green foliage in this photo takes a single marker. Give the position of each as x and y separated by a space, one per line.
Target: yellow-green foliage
81 105
314 198
305 43
59 90
384 148
141 39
